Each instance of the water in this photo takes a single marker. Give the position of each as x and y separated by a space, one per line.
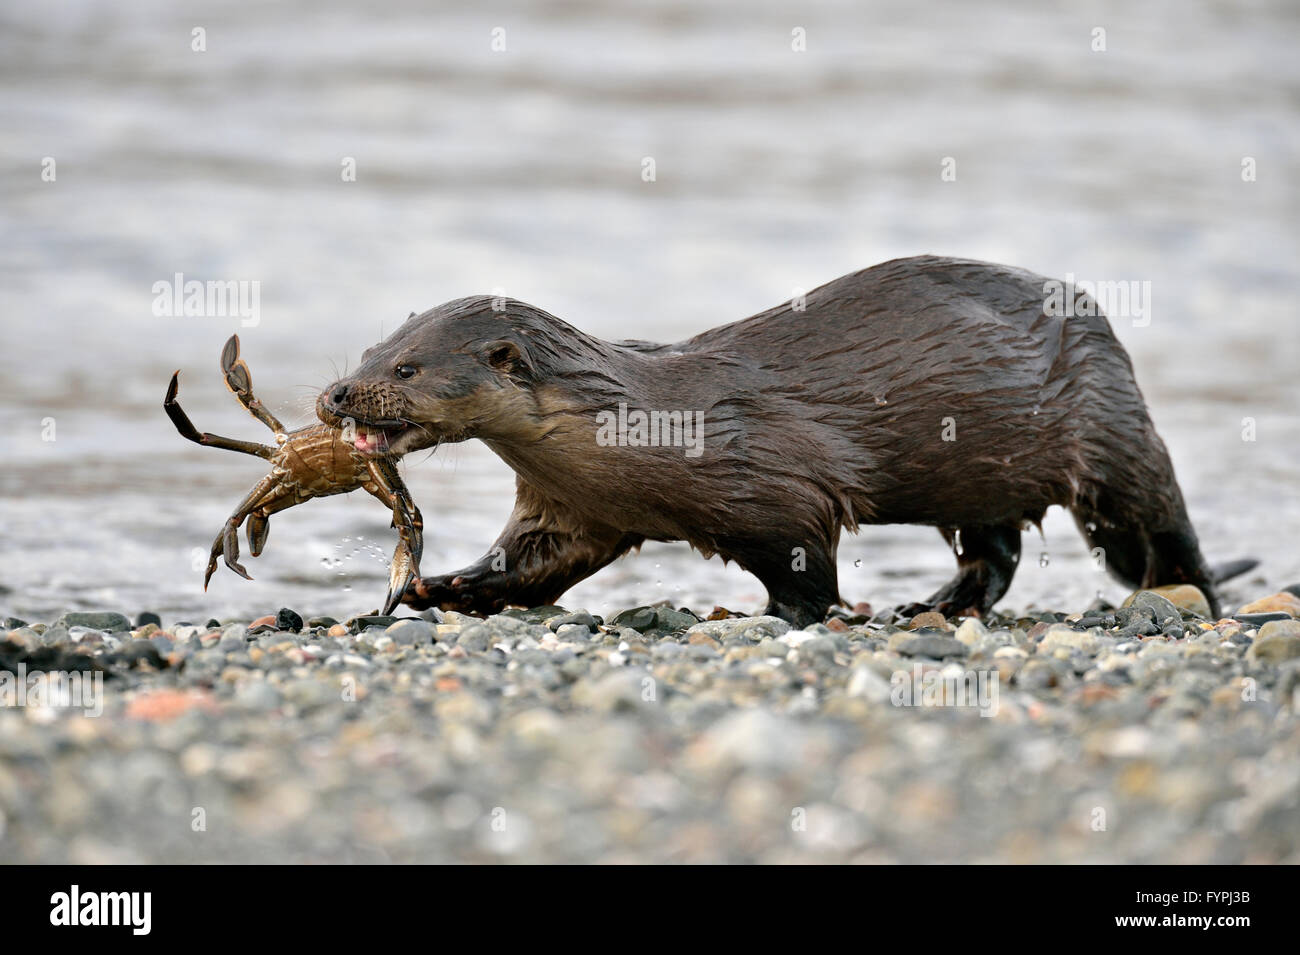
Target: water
521 171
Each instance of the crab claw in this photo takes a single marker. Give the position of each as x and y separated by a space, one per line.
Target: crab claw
236 371
227 547
258 528
401 572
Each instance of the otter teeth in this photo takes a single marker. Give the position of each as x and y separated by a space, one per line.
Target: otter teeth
371 440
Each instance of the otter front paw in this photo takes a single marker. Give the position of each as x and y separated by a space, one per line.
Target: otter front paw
457 592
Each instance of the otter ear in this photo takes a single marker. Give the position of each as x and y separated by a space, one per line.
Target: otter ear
505 356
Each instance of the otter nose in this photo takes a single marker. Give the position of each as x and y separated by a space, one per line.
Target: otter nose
339 394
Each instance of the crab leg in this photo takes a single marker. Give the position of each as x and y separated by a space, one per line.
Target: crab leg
227 543
240 381
389 487
187 430
394 493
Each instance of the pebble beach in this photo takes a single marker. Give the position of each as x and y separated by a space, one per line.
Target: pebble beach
1145 733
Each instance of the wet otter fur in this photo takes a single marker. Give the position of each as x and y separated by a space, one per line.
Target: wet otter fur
925 390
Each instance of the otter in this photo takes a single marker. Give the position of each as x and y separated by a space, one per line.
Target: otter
924 390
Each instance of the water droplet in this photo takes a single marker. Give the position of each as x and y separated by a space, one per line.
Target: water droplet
1044 559
1091 526
857 563
956 542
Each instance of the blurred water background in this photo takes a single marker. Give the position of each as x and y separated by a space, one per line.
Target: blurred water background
521 170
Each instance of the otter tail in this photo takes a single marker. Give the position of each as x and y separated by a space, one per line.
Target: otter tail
1232 568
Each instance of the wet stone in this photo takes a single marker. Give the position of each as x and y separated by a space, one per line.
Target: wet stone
1162 609
1186 598
1283 601
1277 642
922 644
135 652
287 619
575 633
24 637
639 619
94 621
1136 622
534 614
668 650
971 631
475 638
578 618
818 647
360 623
56 636
230 642
411 632
751 629
1105 621
258 695
931 620
672 621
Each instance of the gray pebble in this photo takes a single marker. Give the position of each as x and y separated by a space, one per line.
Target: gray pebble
411 632
578 618
94 620
934 645
475 638
258 695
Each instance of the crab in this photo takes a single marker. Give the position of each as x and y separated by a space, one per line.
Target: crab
315 461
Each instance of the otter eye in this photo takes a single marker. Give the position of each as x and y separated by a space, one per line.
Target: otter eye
405 371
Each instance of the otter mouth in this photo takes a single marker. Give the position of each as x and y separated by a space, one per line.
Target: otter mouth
391 437
376 437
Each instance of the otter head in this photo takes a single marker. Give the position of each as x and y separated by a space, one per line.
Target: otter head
461 370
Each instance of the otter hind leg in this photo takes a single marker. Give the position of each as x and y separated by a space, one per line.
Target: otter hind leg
986 561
